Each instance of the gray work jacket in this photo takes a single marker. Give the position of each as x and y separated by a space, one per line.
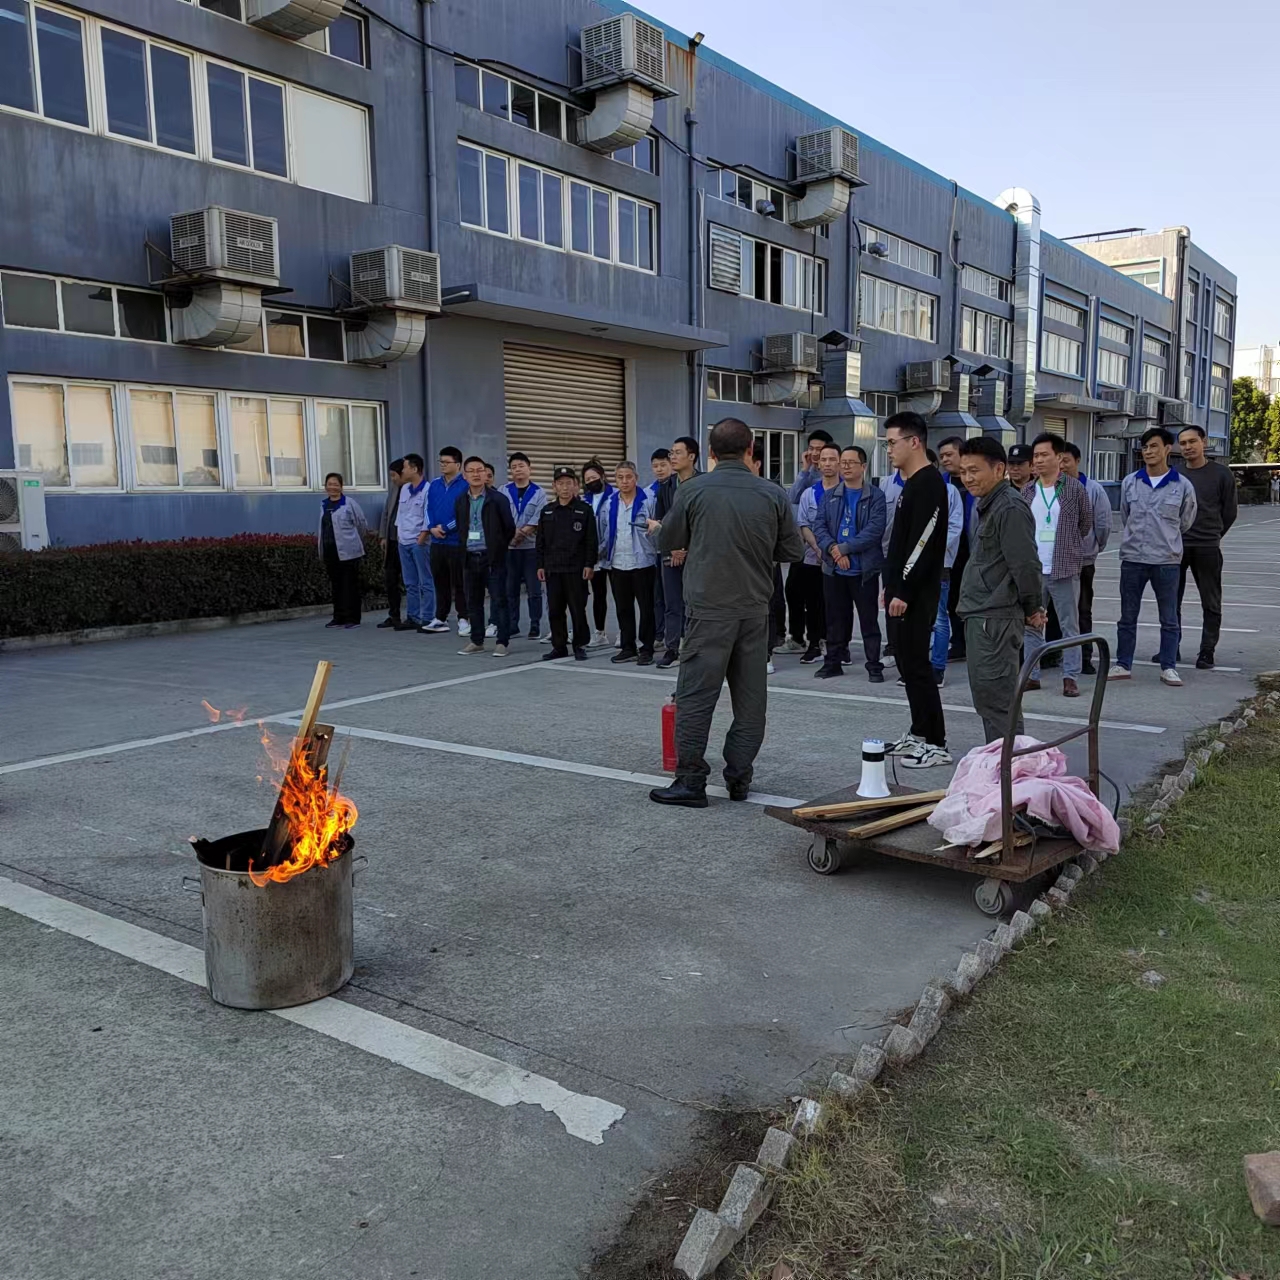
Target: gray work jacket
1155 518
1002 577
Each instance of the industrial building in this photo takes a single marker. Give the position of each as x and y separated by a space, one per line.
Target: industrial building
250 241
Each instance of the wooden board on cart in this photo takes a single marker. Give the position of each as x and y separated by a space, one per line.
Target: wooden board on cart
919 842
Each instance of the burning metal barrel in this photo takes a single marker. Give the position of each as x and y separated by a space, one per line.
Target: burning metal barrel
280 943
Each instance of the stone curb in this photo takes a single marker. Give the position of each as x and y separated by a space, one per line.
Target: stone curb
712 1236
173 627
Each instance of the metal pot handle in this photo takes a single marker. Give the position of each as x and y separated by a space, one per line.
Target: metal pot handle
191 885
358 863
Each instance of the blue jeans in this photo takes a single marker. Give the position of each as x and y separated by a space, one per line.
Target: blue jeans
1164 582
419 586
522 570
941 631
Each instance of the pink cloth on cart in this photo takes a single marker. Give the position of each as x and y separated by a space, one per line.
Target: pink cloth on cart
970 813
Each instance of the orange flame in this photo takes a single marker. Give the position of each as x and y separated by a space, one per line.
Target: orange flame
215 714
318 815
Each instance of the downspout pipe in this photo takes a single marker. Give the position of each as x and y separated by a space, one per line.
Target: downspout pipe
695 357
1025 209
433 208
954 251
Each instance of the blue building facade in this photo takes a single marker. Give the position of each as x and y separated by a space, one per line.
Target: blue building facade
593 302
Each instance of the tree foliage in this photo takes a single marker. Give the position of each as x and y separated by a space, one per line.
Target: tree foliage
1253 435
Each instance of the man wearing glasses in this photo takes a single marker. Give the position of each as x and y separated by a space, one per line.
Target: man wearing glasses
913 586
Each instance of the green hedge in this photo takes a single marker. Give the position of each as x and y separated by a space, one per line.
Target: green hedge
119 584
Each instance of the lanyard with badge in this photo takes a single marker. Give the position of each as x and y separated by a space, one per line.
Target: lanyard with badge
1046 532
474 534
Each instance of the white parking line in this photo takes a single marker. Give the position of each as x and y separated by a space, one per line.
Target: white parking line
582 1115
1186 626
864 697
1226 604
535 762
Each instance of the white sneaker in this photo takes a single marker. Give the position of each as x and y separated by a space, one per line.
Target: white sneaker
544 639
617 644
491 630
500 651
1170 676
771 670
464 627
436 625
1119 673
906 745
599 641
927 757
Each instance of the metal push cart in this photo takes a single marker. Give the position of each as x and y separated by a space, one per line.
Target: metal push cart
1012 864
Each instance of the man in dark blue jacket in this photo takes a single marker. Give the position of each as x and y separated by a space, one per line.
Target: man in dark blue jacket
849 526
486 524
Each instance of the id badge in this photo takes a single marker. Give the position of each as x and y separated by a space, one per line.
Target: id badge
473 535
1045 535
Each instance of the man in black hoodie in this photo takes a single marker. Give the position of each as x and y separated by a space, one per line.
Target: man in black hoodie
913 586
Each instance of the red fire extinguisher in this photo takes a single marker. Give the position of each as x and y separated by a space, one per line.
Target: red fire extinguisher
669 735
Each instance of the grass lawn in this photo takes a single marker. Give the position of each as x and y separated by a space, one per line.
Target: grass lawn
1073 1120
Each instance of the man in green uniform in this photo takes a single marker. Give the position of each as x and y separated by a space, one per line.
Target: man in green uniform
735 527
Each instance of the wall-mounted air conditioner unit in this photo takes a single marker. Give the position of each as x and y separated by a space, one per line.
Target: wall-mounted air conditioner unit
926 375
827 153
23 526
790 352
396 278
1124 399
225 244
621 49
1146 405
293 19
1177 413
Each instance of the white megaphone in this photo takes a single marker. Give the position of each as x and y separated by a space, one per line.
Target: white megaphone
873 784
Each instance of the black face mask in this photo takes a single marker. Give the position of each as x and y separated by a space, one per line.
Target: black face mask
595 486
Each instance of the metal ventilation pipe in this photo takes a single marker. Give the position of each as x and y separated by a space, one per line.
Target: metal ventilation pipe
1026 300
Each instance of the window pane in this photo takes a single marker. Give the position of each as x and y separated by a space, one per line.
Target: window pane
646 237
288 444
92 431
266 114
249 447
550 116
227 131
760 270
530 186
775 273
17 84
789 279
580 217
197 431
325 339
748 253
644 154
30 302
155 452
61 67
713 386
495 175
466 84
228 8
552 211
366 468
39 437
744 192
627 155
88 308
601 232
331 440
141 315
252 343
470 194
886 306
171 91
284 334
907 312
124 70
346 38
627 231
523 106
926 317
329 144
495 95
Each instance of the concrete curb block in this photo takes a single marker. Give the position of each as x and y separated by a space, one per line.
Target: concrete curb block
173 627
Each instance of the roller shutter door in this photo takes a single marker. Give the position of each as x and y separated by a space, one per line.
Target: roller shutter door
564 407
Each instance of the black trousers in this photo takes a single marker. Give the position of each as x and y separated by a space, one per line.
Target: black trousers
567 591
659 606
911 643
344 576
846 596
392 581
449 576
1084 606
673 594
717 650
633 587
957 622
481 575
1205 564
813 595
600 598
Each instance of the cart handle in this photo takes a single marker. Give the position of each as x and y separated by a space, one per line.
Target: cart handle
1008 752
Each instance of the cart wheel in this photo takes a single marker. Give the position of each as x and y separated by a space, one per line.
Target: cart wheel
993 897
825 857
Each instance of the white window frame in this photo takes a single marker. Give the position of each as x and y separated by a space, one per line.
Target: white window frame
868 281
307 41
1153 346
1106 466
64 383
990 286
906 253
1114 331
1219 396
1056 345
59 281
1154 377
514 165
787 456
568 111
776 196
1223 318
306 338
985 334
1063 312
96 97
807 272
1113 368
1143 267
718 380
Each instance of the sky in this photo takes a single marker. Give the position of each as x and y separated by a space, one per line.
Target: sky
1113 113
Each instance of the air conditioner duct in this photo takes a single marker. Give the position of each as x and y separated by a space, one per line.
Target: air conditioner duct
953 417
292 19
1026 300
842 374
926 403
821 203
778 388
387 336
218 315
622 115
